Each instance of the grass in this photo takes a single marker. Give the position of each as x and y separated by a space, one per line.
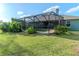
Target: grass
39 45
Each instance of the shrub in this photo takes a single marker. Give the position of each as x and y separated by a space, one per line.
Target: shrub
22 22
5 27
12 27
15 27
61 29
31 30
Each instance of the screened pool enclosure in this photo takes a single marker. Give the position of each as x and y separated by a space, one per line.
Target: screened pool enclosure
44 20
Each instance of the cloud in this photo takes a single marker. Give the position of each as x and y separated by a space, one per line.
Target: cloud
74 9
51 8
24 16
20 12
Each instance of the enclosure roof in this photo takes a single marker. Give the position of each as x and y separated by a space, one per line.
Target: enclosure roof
44 16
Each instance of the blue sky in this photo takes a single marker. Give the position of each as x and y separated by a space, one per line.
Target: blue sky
18 10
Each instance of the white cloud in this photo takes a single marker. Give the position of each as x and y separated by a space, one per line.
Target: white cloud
24 16
74 9
20 12
51 9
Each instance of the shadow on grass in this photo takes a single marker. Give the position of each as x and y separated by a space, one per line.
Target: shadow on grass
73 35
26 34
70 35
35 34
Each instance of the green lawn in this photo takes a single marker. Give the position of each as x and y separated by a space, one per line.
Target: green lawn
39 45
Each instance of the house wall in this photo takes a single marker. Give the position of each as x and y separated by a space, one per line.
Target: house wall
74 24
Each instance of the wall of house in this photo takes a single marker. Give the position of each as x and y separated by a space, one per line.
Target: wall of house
74 24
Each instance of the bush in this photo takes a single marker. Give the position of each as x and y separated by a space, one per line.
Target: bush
31 30
22 22
12 27
15 27
61 29
5 27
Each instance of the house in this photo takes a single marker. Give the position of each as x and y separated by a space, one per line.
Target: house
73 20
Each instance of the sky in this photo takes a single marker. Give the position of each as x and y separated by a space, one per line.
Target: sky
19 10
